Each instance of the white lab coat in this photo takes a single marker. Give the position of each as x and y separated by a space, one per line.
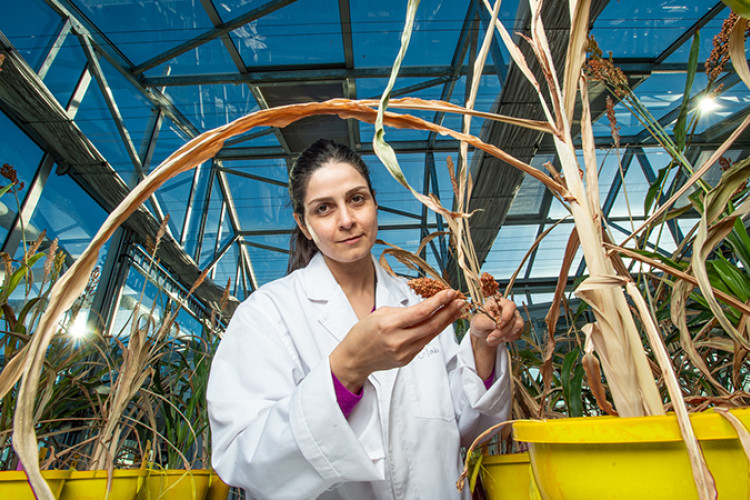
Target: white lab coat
277 429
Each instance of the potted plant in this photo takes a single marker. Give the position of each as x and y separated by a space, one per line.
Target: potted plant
95 399
721 325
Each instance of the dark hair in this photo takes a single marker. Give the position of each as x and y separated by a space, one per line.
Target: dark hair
321 152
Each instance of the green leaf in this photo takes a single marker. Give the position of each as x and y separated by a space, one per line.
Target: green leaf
19 274
680 265
680 126
736 281
739 241
475 472
576 390
655 190
7 188
24 311
565 374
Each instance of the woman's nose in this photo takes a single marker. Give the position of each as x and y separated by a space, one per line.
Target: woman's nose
345 218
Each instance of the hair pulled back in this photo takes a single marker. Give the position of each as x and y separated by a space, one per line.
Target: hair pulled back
318 154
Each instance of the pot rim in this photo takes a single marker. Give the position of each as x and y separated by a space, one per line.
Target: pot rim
708 425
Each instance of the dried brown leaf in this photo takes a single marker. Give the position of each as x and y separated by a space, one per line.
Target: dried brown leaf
742 432
737 50
592 368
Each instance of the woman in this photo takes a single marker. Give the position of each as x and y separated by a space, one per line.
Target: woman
337 381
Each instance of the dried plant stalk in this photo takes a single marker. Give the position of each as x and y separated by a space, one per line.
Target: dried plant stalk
27 365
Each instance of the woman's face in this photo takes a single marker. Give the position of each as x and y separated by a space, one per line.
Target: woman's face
340 213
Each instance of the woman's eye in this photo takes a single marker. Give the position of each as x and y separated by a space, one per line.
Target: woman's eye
321 209
358 198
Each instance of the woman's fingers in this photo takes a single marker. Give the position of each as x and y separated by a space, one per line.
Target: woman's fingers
438 321
508 322
412 316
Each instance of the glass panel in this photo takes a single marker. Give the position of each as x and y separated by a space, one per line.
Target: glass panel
255 137
95 121
541 298
226 231
732 100
173 198
231 9
260 205
629 201
610 167
210 57
272 168
707 33
226 268
712 176
208 245
32 27
269 265
663 91
408 239
196 209
528 200
645 29
136 112
137 290
550 251
210 106
18 151
388 192
66 69
628 124
170 139
659 159
305 32
161 24
687 224
67 213
510 246
188 324
376 32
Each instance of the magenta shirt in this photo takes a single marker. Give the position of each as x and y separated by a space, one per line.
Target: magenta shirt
348 400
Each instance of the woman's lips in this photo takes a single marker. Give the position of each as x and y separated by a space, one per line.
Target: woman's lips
352 240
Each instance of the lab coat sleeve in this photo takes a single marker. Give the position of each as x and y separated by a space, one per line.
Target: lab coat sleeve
476 407
277 432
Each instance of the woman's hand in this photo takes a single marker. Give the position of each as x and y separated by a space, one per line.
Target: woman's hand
505 325
487 332
392 337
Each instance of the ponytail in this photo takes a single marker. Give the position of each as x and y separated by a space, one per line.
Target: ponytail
301 250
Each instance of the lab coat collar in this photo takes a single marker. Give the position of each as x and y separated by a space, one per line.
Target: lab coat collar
337 315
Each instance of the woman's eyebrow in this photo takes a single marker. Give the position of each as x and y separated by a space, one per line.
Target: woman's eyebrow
329 198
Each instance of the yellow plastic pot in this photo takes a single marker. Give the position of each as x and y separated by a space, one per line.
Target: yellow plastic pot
628 458
13 484
135 484
92 485
183 484
508 477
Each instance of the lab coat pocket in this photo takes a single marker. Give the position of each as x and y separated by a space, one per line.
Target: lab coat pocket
429 385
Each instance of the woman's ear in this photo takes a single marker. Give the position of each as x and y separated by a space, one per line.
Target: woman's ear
373 197
301 226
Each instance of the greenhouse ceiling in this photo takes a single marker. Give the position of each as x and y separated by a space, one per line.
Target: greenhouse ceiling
111 87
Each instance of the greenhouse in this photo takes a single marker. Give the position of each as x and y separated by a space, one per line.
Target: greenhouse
576 169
